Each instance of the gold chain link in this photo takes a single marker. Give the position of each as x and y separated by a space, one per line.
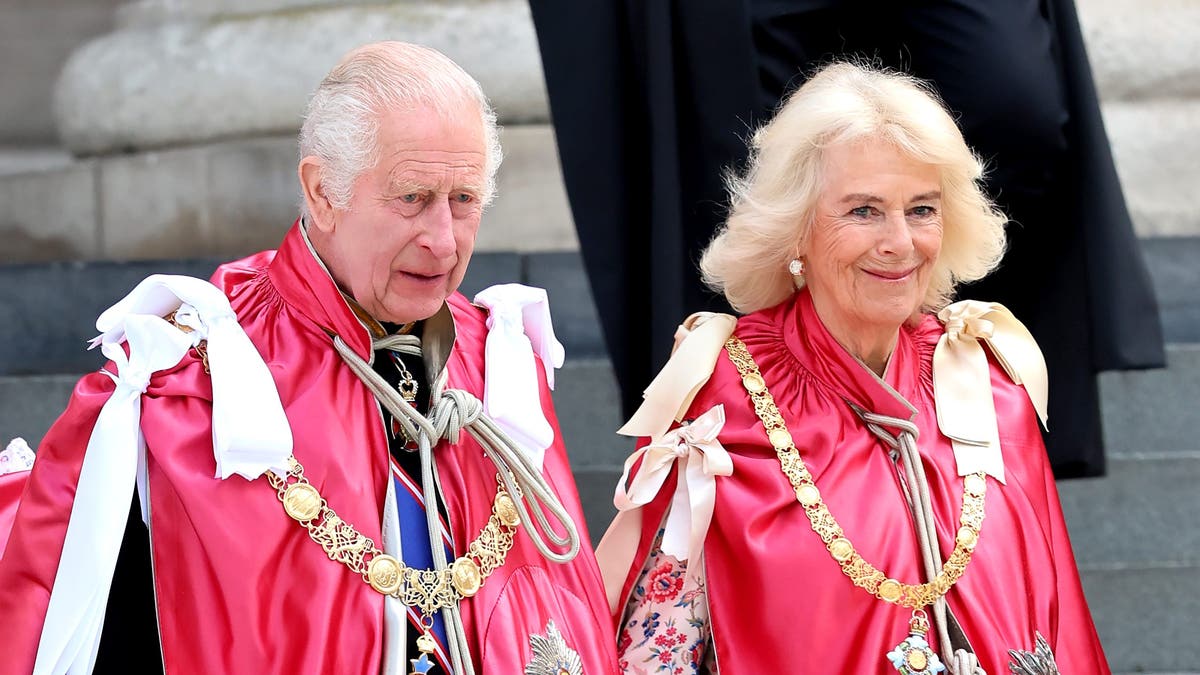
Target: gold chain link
861 573
426 590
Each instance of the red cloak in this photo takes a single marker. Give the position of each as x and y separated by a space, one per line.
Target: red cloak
779 602
239 586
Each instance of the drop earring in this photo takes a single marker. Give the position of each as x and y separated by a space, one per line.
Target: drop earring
796 267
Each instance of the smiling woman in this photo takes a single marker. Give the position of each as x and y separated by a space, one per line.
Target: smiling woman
859 429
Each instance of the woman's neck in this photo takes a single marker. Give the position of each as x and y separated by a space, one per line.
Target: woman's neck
872 344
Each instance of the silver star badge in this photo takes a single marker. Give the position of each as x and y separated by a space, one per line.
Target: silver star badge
551 655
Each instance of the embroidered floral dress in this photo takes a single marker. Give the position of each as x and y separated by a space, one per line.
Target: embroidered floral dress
666 621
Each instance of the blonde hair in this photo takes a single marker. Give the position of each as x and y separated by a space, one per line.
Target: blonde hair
773 205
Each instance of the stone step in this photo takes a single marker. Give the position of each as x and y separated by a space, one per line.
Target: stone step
1146 616
1152 413
230 199
1143 512
1176 278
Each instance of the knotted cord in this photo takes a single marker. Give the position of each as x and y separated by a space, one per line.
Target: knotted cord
453 411
916 486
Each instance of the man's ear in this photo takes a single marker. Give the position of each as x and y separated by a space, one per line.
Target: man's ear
320 209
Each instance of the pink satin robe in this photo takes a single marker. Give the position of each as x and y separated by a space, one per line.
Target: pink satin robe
778 601
240 586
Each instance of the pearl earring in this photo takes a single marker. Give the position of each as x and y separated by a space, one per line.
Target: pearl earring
796 267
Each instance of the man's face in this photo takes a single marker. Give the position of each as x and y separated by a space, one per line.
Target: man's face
403 244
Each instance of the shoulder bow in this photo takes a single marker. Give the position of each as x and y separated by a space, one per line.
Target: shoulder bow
966 412
691 507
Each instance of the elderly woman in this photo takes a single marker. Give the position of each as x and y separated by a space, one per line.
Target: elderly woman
850 477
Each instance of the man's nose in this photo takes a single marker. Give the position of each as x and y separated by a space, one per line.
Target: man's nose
438 227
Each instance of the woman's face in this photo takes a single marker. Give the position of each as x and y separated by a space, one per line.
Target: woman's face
875 238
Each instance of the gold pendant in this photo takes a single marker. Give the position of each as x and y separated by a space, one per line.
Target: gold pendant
408 390
913 656
423 664
408 385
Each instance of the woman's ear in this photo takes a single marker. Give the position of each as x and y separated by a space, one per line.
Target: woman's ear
320 209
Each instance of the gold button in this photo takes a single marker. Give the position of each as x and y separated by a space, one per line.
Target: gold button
302 501
780 438
808 495
754 383
466 577
889 590
383 573
841 549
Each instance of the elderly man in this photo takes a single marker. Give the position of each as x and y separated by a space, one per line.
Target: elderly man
390 439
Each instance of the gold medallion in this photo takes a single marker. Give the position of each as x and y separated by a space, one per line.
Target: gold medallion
967 537
808 495
383 573
917 660
780 439
506 510
889 590
464 573
841 549
302 501
975 484
754 383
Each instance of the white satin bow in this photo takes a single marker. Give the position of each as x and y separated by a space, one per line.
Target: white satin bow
962 384
250 436
691 507
518 327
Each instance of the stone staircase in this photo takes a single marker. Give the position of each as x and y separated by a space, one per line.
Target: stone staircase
78 233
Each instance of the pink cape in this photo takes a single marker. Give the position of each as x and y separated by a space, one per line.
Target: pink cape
778 601
240 587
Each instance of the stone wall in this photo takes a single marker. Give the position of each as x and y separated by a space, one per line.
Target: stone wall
179 120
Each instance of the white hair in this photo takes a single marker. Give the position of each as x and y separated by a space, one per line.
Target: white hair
341 124
773 205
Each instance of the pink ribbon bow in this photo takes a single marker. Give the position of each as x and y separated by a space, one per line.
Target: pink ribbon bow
691 507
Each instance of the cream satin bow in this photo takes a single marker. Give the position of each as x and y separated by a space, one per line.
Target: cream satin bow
966 412
698 344
691 507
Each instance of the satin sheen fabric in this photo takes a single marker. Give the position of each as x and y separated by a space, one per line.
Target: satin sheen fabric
779 602
241 588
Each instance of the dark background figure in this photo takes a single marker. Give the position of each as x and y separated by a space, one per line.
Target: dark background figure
652 102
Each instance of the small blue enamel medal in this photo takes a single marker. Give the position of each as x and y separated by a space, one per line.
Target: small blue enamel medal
914 656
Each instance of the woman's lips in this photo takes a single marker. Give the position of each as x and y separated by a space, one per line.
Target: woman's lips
891 275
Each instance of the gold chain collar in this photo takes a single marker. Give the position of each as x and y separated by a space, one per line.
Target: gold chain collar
426 590
861 573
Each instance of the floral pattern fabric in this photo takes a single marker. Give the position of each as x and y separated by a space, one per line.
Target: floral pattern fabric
666 628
